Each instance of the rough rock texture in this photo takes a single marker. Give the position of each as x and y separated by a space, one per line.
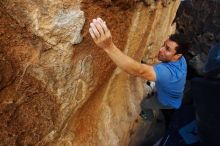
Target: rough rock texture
57 87
200 21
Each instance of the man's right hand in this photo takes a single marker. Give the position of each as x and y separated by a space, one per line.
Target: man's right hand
101 34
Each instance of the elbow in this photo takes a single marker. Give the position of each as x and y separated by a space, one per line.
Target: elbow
132 71
147 74
141 72
138 72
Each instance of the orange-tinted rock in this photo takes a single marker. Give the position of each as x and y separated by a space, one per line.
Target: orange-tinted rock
57 87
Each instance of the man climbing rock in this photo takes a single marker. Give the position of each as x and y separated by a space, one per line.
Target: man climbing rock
169 75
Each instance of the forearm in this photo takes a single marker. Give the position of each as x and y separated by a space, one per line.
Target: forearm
125 62
102 37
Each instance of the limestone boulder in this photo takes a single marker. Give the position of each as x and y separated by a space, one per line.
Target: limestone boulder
57 87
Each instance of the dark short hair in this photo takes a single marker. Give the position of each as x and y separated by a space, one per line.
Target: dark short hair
182 42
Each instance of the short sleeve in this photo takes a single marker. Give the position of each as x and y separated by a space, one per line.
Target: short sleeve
162 72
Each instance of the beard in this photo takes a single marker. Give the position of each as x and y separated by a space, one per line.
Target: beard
162 58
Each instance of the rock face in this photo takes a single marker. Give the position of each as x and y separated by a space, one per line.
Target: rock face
200 21
57 87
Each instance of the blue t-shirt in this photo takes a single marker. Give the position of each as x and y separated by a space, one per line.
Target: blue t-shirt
170 82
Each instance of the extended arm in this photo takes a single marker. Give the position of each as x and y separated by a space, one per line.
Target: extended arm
102 37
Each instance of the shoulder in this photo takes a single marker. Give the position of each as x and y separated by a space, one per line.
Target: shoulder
182 60
178 66
181 64
162 71
170 70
